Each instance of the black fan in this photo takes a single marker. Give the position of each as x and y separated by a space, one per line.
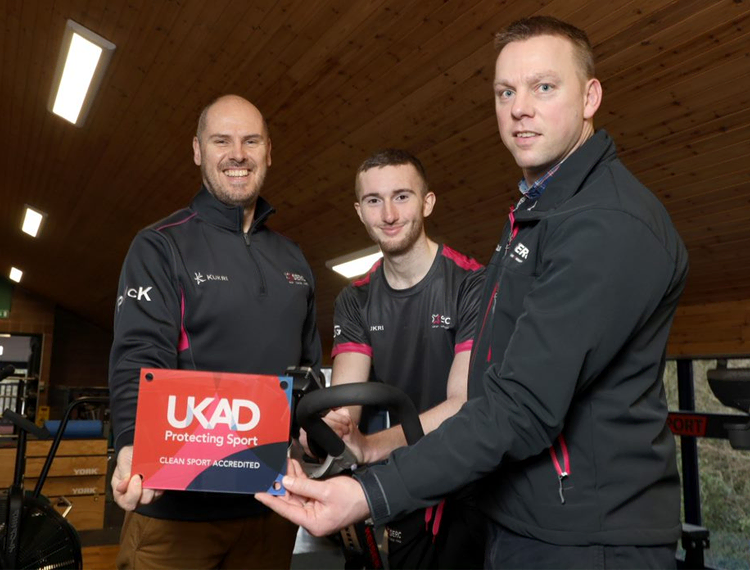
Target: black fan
33 534
46 540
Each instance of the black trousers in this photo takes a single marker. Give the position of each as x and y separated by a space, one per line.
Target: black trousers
507 550
459 542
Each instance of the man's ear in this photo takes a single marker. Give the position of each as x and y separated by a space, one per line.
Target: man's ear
268 152
359 211
196 151
593 98
428 203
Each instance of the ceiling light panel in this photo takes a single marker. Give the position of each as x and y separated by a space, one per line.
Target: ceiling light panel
84 56
357 263
32 220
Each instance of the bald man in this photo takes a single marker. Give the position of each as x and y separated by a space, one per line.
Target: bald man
212 292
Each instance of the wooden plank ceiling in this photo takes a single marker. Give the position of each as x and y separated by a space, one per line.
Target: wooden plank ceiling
336 80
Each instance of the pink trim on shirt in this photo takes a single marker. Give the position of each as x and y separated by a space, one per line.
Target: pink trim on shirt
464 346
463 261
366 279
352 347
177 223
183 343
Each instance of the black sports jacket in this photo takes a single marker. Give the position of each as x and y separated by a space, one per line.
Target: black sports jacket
566 422
197 293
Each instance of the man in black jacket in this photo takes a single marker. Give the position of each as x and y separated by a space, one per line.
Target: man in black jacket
565 427
212 288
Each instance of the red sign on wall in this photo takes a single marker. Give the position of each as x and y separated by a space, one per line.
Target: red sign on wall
687 424
212 431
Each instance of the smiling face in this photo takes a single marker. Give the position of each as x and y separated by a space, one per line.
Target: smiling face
544 105
393 203
234 151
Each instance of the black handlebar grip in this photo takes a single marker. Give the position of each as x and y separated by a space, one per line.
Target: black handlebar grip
357 394
26 425
304 380
59 435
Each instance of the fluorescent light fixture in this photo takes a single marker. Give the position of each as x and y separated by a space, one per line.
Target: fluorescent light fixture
1 349
31 221
15 274
357 263
83 58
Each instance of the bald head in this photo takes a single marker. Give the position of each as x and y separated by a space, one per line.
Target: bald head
233 151
231 102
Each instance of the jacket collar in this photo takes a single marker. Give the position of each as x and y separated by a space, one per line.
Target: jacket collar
571 175
229 217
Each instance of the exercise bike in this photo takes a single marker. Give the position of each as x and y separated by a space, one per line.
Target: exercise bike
358 541
33 535
731 386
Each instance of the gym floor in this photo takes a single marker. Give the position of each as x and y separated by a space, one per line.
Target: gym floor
309 553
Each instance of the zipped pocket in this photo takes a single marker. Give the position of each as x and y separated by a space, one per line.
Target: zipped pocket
563 472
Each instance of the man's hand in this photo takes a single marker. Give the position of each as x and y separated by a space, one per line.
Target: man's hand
321 507
341 422
127 489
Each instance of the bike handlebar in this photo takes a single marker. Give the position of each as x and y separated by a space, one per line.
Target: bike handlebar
360 393
26 425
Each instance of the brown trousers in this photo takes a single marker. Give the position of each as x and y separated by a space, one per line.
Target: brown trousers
262 541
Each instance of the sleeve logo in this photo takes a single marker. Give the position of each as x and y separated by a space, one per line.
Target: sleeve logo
139 294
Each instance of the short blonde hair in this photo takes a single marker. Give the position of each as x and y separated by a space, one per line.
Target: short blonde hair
528 28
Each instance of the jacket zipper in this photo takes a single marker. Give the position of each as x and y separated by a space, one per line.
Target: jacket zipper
562 473
490 306
257 265
493 298
513 227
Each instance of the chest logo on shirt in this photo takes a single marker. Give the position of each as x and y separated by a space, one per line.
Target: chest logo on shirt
376 328
520 253
199 278
336 331
295 278
441 321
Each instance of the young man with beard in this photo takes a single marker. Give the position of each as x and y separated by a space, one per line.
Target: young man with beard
409 323
214 294
565 428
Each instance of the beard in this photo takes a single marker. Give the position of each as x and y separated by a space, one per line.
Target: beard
244 196
402 244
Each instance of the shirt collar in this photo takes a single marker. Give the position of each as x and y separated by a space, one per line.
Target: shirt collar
535 190
229 217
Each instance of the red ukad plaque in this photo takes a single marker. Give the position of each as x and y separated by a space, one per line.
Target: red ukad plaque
212 431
